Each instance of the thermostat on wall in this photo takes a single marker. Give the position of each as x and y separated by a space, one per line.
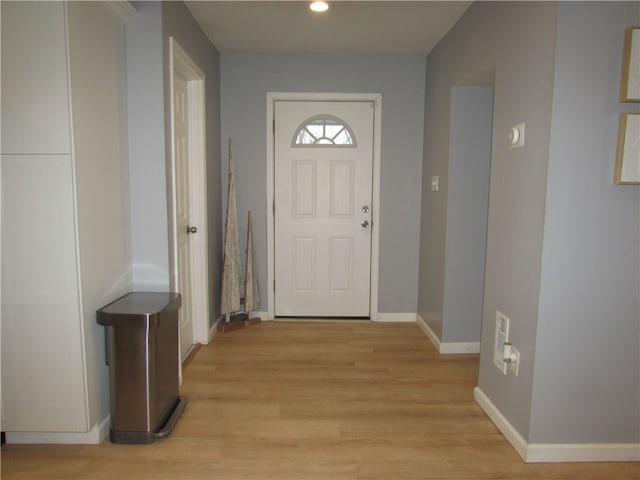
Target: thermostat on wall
516 136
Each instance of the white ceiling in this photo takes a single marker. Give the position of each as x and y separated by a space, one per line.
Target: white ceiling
353 27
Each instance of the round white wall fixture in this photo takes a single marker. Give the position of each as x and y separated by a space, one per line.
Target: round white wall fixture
514 136
319 6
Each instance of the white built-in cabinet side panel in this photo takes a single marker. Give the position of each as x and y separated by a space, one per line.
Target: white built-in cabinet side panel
35 113
42 372
98 100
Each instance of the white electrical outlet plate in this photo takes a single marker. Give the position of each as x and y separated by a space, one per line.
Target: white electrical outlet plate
514 365
501 336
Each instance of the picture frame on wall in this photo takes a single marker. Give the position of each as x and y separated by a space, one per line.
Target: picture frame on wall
630 81
628 156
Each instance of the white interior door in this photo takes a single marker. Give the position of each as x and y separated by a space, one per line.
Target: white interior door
183 228
189 258
323 192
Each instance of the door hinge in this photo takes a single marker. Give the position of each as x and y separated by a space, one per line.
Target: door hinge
274 207
274 284
274 125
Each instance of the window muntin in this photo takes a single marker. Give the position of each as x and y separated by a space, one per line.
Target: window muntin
324 131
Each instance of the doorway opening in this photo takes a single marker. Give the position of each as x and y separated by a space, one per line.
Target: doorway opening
470 152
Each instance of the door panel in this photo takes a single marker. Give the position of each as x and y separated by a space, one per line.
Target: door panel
304 252
342 188
304 183
322 248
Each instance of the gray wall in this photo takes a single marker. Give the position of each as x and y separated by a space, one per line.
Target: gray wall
148 32
147 172
517 41
563 242
517 195
177 22
587 363
245 81
467 205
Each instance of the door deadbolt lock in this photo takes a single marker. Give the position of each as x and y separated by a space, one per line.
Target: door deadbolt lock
365 209
191 229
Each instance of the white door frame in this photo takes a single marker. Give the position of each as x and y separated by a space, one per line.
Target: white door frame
179 60
376 99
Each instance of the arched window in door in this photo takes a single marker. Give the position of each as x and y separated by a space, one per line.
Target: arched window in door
324 131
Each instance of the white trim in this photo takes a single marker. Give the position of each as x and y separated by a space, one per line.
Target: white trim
121 9
261 315
499 420
93 437
213 329
583 452
428 332
376 206
78 294
180 60
459 347
376 98
447 348
271 294
395 317
556 452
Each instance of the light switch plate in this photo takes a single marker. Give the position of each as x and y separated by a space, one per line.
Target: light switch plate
501 336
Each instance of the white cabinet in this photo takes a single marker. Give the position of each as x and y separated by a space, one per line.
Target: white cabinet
41 331
35 114
65 226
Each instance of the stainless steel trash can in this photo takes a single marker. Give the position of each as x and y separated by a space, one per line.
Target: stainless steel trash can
141 331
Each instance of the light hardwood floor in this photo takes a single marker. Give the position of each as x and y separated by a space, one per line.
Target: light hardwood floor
325 401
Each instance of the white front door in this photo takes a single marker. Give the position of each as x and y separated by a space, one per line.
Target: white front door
323 193
183 232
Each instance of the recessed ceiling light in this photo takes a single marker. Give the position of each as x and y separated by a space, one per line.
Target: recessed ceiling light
319 6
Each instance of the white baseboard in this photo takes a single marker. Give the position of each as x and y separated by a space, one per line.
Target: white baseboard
395 317
213 329
428 332
380 317
447 347
583 452
499 420
460 347
93 437
556 452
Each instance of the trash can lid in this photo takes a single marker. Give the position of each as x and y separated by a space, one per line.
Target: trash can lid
140 303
